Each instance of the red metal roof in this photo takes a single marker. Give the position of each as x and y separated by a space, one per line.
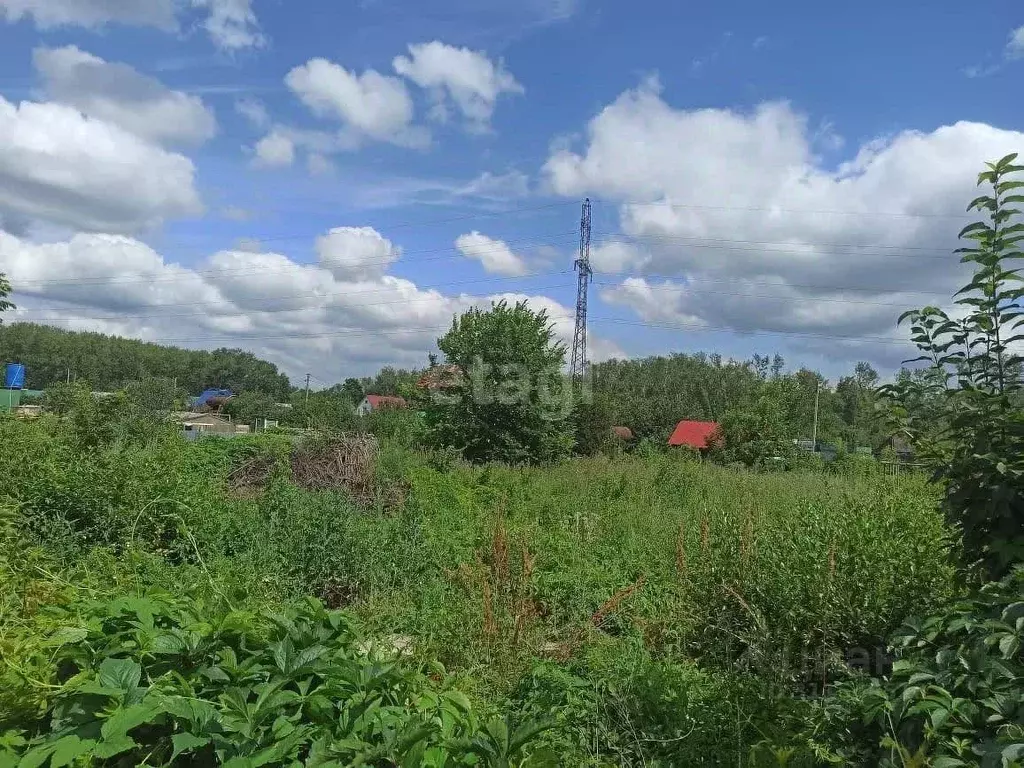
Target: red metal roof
696 434
386 401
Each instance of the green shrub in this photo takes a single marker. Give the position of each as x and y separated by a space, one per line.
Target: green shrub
954 697
153 679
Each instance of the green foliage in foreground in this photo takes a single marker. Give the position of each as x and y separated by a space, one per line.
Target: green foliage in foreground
152 679
955 696
659 609
973 429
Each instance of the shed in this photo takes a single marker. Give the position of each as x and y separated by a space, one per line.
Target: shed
195 424
694 434
372 403
623 433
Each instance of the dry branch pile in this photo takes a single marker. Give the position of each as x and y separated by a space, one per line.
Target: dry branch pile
345 463
252 478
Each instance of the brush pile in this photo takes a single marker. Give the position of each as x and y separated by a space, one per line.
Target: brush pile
344 463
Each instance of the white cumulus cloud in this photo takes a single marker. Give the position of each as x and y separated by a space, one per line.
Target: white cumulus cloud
494 255
275 150
734 223
356 253
119 94
341 317
61 167
464 77
369 105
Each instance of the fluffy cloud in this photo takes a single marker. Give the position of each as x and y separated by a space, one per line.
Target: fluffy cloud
369 105
753 233
494 255
231 24
120 95
356 253
465 77
274 150
92 13
343 316
59 166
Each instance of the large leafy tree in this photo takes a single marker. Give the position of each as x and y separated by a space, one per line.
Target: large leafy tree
760 433
510 401
973 427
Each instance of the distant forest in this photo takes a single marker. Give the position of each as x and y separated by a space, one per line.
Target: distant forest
647 395
110 362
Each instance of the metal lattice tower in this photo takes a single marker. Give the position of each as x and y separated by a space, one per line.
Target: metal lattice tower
586 274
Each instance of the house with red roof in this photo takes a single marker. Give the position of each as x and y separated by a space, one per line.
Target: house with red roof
373 403
699 435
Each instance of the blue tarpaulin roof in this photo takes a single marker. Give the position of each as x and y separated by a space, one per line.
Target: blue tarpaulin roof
209 394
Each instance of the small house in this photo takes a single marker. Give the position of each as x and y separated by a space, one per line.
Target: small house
195 425
374 403
699 435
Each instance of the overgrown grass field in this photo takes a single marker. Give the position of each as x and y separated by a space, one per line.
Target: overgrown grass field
662 611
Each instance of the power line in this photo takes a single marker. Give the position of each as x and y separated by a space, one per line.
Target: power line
448 252
607 284
256 312
816 300
809 286
306 295
710 327
391 332
791 247
778 209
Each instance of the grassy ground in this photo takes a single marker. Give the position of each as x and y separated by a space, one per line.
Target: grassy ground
665 612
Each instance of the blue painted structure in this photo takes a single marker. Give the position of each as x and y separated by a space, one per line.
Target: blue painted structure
211 394
14 377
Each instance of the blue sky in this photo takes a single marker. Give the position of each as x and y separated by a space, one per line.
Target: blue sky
765 178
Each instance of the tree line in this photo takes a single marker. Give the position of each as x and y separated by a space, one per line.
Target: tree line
652 395
109 363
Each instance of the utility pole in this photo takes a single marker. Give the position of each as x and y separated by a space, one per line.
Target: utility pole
308 377
817 392
578 367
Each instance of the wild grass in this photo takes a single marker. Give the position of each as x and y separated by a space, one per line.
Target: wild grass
667 612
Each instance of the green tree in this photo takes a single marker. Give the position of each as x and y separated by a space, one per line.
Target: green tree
511 402
5 291
327 410
759 434
593 423
974 436
154 395
856 400
252 405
